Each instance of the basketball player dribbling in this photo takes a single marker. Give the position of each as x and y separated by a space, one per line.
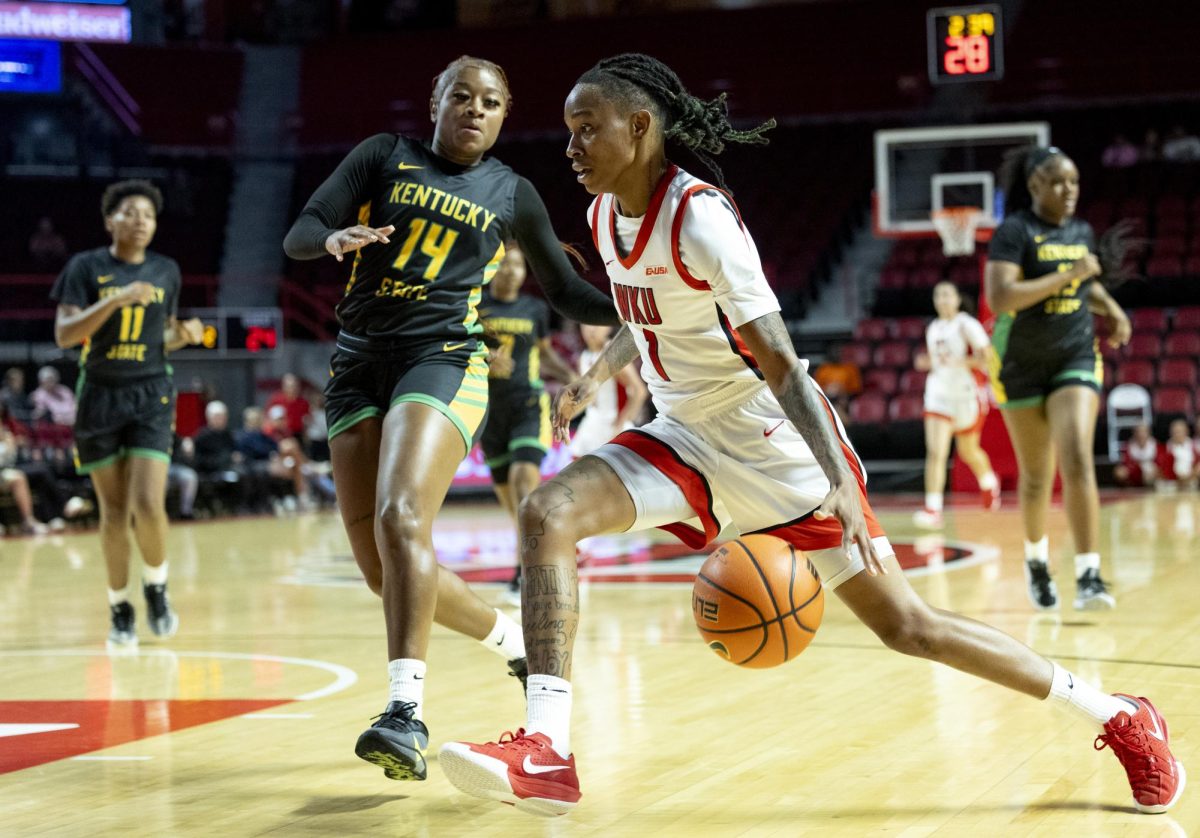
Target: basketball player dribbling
956 345
407 392
732 399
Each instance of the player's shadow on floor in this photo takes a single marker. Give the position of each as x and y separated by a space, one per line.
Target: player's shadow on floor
340 804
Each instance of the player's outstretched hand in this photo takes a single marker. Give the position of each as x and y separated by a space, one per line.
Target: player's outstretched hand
844 503
356 238
192 331
570 403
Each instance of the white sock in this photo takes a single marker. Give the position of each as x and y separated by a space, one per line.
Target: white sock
155 575
1085 562
987 482
933 501
117 597
549 700
406 682
505 638
1073 693
1038 550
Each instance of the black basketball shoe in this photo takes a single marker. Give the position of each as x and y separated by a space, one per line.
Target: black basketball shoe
122 634
396 742
1043 593
1091 592
163 620
519 669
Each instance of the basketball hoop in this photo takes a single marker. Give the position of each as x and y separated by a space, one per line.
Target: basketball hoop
956 226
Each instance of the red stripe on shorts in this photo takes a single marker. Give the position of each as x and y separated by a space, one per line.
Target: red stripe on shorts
690 481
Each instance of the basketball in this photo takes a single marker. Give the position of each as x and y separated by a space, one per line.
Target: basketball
757 601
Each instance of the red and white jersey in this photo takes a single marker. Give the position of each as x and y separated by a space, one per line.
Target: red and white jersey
691 277
950 343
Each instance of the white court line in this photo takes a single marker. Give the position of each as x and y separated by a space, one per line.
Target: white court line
277 716
344 677
111 759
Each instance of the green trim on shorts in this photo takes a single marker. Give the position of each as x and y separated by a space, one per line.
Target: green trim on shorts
442 408
503 459
526 442
353 419
1076 375
88 468
146 453
1032 401
1000 334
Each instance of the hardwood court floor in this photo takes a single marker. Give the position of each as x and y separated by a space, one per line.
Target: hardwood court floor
244 724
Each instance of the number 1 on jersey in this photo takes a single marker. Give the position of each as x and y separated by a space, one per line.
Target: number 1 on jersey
436 242
652 348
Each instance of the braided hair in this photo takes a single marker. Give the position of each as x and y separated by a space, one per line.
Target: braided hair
637 81
1112 247
443 79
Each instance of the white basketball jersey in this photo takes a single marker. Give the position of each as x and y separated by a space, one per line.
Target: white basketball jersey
691 276
949 343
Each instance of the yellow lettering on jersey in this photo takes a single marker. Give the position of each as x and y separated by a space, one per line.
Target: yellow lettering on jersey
509 325
1061 252
160 294
1056 306
126 352
435 200
399 288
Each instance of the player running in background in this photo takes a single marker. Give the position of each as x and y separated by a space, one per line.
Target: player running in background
409 379
1041 279
120 303
742 437
517 434
603 419
955 347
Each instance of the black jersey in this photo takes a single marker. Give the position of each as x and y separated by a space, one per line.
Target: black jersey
519 326
129 345
1060 324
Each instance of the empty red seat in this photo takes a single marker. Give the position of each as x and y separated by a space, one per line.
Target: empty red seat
1136 372
909 328
1169 246
925 277
1182 345
1173 400
906 408
881 380
868 409
893 354
1191 267
1165 266
858 354
1148 320
1187 318
893 278
871 330
1144 345
1177 372
912 381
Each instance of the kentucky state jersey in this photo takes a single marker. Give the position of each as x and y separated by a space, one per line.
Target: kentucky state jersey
451 224
519 326
1060 325
129 345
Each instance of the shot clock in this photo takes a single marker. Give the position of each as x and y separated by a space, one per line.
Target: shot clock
965 44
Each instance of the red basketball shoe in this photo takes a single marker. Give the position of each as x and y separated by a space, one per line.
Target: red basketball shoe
990 498
1140 743
522 770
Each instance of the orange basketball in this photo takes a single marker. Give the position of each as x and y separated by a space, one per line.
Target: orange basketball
757 601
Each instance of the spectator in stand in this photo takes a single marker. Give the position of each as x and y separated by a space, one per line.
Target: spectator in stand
1120 154
14 397
289 395
267 458
1151 149
1180 462
1181 147
1139 460
316 435
47 248
183 477
218 462
52 400
839 380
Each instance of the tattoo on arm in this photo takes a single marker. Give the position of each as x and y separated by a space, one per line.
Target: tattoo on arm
619 352
805 407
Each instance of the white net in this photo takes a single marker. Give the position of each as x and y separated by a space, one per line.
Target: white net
956 226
